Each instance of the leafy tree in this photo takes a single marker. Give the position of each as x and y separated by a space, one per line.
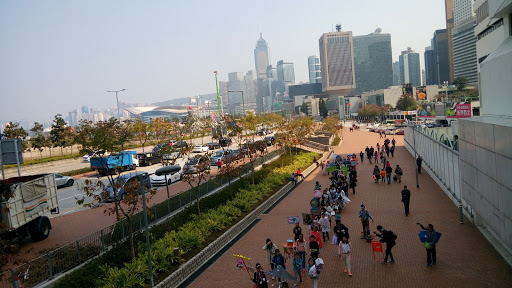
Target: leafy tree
323 108
39 141
142 131
406 103
13 130
59 135
195 180
460 82
372 110
304 108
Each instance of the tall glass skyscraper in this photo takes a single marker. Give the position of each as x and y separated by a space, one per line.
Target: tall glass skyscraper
285 72
261 59
373 62
315 75
396 74
410 71
437 60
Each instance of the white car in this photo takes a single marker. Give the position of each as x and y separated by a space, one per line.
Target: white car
62 181
98 153
200 148
171 178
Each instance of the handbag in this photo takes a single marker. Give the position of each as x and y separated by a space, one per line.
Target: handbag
334 239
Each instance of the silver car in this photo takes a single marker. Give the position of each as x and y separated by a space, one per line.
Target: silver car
62 180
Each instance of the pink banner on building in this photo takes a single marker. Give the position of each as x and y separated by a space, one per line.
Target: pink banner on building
463 110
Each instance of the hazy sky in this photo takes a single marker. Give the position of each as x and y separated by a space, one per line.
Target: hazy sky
56 56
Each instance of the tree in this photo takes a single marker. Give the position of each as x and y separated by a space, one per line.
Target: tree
460 82
142 132
196 179
59 135
323 108
406 102
39 141
251 122
13 130
304 108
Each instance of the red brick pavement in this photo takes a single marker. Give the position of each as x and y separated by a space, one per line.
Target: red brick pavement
465 258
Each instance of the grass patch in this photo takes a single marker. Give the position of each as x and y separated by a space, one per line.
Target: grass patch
336 141
77 171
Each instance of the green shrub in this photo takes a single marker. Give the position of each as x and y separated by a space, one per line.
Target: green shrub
336 141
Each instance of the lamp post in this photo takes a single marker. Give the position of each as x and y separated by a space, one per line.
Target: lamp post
446 90
117 98
243 101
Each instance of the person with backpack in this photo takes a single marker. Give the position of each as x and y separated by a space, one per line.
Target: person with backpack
344 250
388 237
430 243
399 172
259 278
406 199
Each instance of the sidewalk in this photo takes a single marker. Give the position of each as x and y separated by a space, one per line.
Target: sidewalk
465 258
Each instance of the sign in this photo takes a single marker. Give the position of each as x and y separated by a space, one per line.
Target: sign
293 220
461 111
421 93
8 148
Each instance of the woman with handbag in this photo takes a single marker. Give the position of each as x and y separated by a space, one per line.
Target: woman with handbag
259 279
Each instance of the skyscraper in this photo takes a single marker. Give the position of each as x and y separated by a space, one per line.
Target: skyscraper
448 4
396 73
250 86
430 66
410 67
437 60
465 63
337 62
373 62
261 59
315 75
285 72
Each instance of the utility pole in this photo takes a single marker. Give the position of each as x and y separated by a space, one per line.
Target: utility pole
117 98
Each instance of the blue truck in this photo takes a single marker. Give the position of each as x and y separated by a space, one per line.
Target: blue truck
122 161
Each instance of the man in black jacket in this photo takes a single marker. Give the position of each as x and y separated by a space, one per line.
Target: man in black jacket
406 198
341 231
418 163
259 277
388 237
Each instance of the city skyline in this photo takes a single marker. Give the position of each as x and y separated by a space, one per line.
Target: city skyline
56 59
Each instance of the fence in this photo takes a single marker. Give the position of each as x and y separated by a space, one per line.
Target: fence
63 259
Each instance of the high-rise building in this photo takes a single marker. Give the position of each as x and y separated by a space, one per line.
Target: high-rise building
236 83
223 92
396 74
261 59
315 75
437 68
337 62
465 63
251 88
285 72
410 67
373 62
449 26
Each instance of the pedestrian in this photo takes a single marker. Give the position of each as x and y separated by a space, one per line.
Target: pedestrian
299 174
353 181
388 237
376 174
383 175
418 163
341 231
317 186
279 260
297 231
365 217
259 278
387 150
380 134
314 247
326 226
361 155
406 199
300 245
312 276
389 170
430 244
293 178
399 173
297 266
378 147
271 252
315 233
392 150
376 157
393 141
344 250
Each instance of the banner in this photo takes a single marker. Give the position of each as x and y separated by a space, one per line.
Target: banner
461 111
293 220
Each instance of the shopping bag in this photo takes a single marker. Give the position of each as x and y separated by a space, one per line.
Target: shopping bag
334 239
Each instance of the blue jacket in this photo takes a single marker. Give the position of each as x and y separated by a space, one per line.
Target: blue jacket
279 260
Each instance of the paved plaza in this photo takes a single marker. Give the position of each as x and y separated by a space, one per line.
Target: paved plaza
464 257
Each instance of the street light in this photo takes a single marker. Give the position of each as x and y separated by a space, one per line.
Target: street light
243 101
117 98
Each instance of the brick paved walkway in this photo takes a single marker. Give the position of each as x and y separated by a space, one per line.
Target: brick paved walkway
465 258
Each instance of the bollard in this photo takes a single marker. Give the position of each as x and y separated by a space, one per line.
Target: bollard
461 215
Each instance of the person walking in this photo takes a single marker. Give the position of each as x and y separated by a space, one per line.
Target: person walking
367 151
406 199
297 231
361 155
278 260
344 250
419 160
387 150
341 231
399 173
297 266
314 247
300 245
376 174
326 226
312 276
389 171
271 252
383 175
378 147
365 217
393 141
392 150
388 237
430 244
315 233
376 157
259 278
371 153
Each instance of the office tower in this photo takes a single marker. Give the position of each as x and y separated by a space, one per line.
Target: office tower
337 62
449 26
396 73
373 62
285 72
261 58
250 86
465 62
315 75
437 60
410 67
223 92
236 84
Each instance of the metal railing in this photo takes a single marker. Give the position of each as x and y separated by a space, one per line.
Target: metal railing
63 259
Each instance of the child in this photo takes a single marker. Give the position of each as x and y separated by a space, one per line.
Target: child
344 251
297 266
383 175
312 274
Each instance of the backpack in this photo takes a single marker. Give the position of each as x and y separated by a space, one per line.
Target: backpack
393 236
319 264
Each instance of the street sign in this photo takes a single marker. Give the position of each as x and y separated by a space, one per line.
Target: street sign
8 149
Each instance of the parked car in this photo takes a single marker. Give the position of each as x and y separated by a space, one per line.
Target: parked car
270 140
123 183
96 153
180 144
148 158
225 156
195 164
400 132
171 178
200 148
390 131
224 142
62 180
213 145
